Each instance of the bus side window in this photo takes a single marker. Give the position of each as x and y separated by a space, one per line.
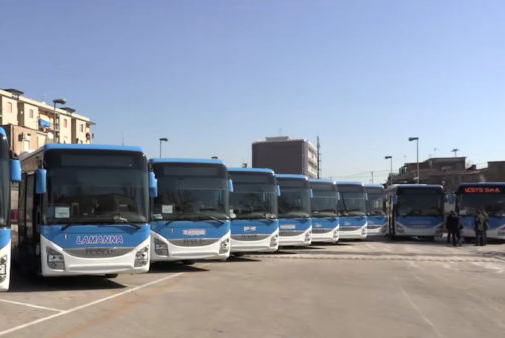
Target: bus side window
22 210
30 191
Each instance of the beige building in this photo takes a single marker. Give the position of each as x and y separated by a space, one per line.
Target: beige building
30 124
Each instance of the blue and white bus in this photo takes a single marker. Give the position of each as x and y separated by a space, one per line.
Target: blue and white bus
489 196
352 210
190 218
415 210
295 224
253 208
324 211
376 210
11 172
83 210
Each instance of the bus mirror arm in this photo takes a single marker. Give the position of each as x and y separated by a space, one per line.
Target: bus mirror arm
153 185
15 169
41 181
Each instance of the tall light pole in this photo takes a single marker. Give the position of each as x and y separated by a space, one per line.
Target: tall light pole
417 154
57 117
162 139
455 151
390 158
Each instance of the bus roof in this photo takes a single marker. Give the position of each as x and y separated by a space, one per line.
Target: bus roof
52 146
349 183
253 170
321 180
294 176
187 160
481 184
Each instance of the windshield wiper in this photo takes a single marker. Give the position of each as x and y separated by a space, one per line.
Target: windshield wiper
66 226
216 219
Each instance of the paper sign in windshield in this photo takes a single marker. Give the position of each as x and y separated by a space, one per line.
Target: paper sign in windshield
61 212
167 209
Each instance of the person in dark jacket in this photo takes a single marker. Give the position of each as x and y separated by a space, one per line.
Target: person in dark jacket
480 226
453 224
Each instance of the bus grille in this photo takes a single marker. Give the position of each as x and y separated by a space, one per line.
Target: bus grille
320 230
98 252
249 237
193 241
291 232
350 227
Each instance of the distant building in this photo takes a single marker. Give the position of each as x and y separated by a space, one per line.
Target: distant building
30 124
285 156
449 171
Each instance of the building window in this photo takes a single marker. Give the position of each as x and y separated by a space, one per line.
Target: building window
9 107
30 112
82 128
64 123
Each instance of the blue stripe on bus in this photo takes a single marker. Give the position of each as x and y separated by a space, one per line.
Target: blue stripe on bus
93 235
175 229
428 221
254 226
494 221
5 237
328 223
352 220
376 220
299 223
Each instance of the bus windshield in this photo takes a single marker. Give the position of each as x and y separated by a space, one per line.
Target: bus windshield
420 202
191 191
375 204
324 202
352 201
95 186
294 200
493 203
4 181
254 196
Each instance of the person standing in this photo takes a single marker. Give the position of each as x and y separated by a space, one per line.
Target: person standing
453 225
485 226
481 225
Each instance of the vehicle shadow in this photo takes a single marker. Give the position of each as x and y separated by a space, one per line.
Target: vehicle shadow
176 267
241 259
25 283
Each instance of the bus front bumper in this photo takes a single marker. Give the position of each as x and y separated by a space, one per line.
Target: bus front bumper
164 250
376 230
325 235
57 261
270 243
418 230
353 232
295 238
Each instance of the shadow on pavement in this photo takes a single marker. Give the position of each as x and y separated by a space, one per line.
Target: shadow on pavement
24 283
164 267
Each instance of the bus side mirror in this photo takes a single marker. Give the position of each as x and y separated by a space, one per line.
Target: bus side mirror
15 171
338 196
311 193
395 199
153 185
278 190
230 185
41 181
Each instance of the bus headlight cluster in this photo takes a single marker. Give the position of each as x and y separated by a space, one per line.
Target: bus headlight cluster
224 247
3 268
273 241
363 231
141 257
160 247
55 259
501 232
308 236
335 234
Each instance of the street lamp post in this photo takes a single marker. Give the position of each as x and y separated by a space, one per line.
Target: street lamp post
417 154
455 151
162 139
390 158
57 118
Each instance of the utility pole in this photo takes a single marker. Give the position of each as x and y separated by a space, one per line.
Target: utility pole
372 176
318 158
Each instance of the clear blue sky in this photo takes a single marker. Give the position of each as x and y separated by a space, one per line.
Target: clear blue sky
214 76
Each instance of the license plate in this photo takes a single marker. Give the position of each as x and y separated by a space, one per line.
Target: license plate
194 232
288 226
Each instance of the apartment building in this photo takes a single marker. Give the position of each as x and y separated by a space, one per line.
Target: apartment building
30 124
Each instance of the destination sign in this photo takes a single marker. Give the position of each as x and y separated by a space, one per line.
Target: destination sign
482 190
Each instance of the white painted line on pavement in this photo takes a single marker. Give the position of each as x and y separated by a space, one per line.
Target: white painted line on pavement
31 305
98 301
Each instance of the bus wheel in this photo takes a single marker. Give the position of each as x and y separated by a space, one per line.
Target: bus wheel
111 275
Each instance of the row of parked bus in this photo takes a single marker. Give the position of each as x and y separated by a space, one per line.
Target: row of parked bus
104 210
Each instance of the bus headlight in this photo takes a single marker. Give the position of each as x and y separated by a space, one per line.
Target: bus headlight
141 257
335 234
160 247
273 241
3 267
55 259
224 247
308 236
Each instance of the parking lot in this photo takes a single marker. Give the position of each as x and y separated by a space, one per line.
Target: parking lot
352 289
